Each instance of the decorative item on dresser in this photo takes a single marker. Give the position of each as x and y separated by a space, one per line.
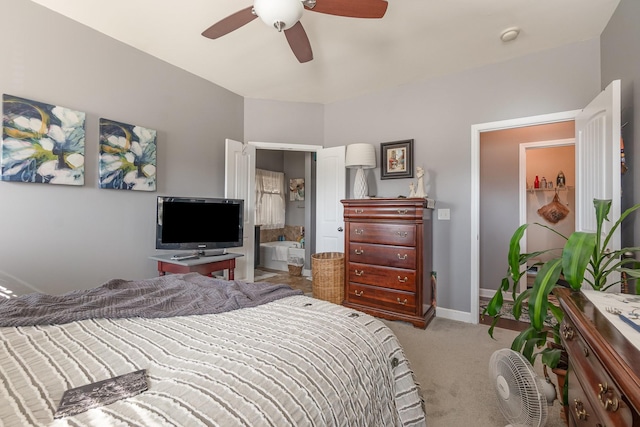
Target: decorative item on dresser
604 366
388 253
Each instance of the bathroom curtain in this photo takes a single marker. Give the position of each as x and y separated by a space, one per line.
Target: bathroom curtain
270 207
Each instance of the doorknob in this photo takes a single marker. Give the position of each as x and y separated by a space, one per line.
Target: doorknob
340 229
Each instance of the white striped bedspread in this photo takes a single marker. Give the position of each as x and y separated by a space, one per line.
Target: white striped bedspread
297 361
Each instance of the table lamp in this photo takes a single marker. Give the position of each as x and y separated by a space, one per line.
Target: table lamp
361 156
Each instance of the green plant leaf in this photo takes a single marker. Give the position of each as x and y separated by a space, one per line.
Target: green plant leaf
517 304
557 313
575 257
546 280
495 304
551 356
513 255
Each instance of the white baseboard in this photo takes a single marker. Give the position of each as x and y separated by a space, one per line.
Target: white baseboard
460 316
489 293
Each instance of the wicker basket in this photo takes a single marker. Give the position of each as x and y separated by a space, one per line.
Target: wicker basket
295 270
327 271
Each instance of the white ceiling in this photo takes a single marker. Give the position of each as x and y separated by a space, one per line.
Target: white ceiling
416 39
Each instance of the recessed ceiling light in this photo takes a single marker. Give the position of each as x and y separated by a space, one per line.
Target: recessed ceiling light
510 34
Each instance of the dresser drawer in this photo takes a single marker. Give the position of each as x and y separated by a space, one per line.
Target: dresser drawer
595 383
392 256
388 277
580 408
409 213
373 296
385 234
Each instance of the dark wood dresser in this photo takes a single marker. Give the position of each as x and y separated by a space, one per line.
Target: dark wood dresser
388 259
604 367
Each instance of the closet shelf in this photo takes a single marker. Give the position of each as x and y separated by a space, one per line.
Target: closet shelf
566 188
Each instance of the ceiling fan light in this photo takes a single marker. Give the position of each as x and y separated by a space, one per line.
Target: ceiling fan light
281 14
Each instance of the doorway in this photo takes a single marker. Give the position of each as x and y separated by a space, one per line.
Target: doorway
511 191
505 178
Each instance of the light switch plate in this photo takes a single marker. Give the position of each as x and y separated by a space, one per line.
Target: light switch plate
444 214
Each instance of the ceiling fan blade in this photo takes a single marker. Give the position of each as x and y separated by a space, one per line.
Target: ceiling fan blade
230 23
351 8
299 42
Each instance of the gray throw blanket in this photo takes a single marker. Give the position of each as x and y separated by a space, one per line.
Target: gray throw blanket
164 296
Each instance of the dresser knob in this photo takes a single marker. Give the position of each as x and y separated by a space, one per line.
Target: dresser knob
402 233
578 407
401 280
567 332
359 272
359 251
359 231
358 294
403 211
359 210
402 256
402 302
608 398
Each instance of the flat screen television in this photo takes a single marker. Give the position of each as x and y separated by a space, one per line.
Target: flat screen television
199 224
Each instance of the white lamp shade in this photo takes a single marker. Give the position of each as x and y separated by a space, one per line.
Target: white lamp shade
360 156
287 12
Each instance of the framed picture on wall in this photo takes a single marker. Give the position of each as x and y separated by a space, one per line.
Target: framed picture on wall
396 159
296 189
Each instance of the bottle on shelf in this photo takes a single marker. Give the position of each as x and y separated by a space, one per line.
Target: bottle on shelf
543 182
536 182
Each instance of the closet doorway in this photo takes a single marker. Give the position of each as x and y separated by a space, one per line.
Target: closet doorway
550 202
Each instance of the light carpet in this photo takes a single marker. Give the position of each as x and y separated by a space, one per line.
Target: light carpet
451 363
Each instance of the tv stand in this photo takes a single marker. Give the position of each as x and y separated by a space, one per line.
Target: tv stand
204 266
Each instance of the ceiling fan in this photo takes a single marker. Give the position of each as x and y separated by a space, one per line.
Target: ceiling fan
284 15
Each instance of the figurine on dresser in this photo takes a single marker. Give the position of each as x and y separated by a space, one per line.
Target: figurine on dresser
412 190
420 190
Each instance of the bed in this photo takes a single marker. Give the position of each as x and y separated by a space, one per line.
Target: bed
258 355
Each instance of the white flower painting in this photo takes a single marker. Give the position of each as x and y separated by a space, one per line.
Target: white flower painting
127 156
41 143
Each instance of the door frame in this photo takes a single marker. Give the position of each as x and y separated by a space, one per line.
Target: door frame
476 130
306 148
522 184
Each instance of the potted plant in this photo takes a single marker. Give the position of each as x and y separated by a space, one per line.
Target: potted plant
584 261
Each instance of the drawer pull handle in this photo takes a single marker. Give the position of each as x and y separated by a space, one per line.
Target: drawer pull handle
359 251
578 407
402 302
402 256
403 211
359 231
608 398
567 332
401 280
359 210
358 294
359 272
402 233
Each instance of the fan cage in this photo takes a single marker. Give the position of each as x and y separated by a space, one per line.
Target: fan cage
526 404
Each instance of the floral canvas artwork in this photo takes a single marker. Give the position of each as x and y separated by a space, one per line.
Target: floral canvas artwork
41 143
296 189
127 156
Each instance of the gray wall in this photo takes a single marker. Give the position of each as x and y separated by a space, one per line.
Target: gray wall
56 238
620 51
499 192
438 115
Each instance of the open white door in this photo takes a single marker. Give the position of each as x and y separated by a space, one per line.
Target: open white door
598 162
240 177
330 189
